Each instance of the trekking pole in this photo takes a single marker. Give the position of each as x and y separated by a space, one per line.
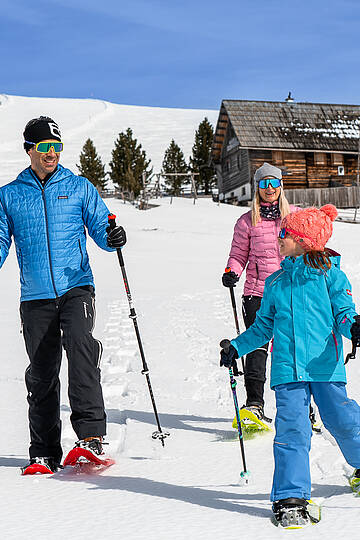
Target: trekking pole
159 434
225 344
233 303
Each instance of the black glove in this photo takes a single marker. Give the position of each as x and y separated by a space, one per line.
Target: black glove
355 331
229 279
228 354
116 237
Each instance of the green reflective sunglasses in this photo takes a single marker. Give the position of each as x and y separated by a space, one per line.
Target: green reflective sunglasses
45 147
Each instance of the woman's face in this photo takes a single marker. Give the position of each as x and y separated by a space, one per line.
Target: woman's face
269 194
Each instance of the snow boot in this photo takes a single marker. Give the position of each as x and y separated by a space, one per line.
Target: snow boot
87 453
315 424
291 513
256 409
41 465
93 444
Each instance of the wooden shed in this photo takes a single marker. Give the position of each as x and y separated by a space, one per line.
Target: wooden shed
315 144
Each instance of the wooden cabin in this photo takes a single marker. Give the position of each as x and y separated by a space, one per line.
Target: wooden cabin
316 145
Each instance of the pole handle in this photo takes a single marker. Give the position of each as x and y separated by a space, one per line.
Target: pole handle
225 344
112 225
111 221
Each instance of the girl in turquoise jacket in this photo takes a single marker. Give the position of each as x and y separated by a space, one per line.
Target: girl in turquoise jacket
307 307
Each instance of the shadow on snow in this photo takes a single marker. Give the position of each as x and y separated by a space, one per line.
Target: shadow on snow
10 461
231 502
170 421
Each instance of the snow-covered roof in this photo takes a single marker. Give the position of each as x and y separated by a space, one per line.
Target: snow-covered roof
289 126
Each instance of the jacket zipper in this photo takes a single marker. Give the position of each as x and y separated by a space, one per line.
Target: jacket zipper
21 265
336 345
47 234
293 325
49 253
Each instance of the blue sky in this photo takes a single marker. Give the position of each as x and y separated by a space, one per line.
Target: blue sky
189 54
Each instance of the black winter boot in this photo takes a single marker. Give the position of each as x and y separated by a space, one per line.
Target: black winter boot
291 512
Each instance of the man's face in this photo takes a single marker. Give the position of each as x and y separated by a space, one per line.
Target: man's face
43 164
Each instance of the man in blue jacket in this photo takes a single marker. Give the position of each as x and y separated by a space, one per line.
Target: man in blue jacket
47 211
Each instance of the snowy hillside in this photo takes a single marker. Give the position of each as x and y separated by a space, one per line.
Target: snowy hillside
154 127
188 490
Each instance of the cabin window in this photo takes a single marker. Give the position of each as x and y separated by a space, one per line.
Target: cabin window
238 160
337 159
320 158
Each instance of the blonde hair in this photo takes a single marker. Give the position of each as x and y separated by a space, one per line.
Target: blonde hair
255 206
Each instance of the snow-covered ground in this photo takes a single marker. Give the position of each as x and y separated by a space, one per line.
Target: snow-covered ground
175 257
188 490
79 119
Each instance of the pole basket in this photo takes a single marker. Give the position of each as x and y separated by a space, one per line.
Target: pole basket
161 435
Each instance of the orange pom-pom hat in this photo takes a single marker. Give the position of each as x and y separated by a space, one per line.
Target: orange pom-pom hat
313 225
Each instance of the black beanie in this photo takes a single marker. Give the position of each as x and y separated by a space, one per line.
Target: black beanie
40 129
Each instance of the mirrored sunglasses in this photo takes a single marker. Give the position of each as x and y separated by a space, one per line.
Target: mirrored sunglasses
45 147
282 233
285 231
266 182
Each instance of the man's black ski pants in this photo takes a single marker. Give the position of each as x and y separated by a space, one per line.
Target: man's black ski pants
48 326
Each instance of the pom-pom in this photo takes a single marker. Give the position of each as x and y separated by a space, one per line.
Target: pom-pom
330 210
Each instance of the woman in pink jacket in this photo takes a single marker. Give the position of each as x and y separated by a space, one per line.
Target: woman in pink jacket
255 247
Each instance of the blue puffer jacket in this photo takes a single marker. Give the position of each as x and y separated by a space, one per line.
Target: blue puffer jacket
48 226
306 311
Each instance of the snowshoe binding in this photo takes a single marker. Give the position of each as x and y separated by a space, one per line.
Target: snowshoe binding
316 425
354 481
88 451
294 513
253 419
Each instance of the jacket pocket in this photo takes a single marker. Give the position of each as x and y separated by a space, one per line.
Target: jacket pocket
256 273
336 345
83 257
21 266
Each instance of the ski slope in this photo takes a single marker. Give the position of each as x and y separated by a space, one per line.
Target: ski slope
101 121
190 489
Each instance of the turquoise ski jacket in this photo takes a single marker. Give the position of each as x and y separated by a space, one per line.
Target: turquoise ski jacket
49 225
306 311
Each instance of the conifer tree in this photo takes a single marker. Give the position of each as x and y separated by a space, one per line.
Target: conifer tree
128 164
200 160
174 162
91 165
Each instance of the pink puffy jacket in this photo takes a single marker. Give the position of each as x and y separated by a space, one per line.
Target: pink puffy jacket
256 247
